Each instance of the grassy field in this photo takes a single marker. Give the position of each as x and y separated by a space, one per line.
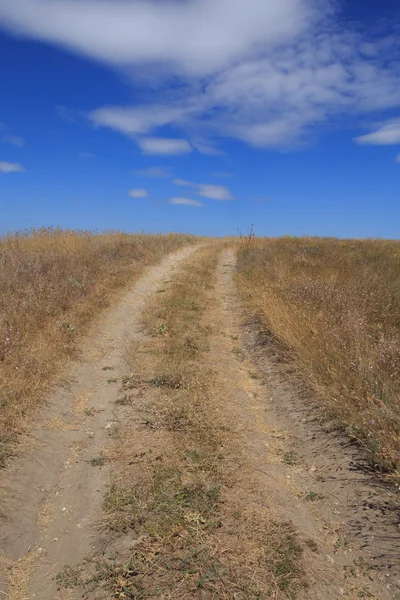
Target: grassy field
53 284
334 306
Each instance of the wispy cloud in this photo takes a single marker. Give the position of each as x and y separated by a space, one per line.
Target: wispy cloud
138 193
206 148
268 73
195 38
86 155
387 134
15 140
215 192
156 172
7 167
185 201
183 183
164 146
397 159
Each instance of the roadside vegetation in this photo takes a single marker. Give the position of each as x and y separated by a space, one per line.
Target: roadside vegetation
53 284
193 526
334 307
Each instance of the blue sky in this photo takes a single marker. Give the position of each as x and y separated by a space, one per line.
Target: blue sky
202 116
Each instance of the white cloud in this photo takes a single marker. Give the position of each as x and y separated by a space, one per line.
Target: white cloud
138 193
7 167
397 158
156 172
15 140
164 146
266 72
133 120
86 155
207 149
216 192
186 202
386 135
183 183
194 38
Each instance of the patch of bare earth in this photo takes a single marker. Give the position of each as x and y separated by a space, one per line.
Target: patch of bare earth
51 496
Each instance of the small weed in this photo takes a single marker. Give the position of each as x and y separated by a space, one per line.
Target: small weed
130 382
89 412
253 375
197 456
285 553
99 461
124 400
68 327
342 543
172 381
359 566
291 458
162 330
107 369
70 577
239 354
312 544
112 380
313 496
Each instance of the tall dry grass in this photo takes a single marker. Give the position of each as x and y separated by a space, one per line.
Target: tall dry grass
53 283
336 306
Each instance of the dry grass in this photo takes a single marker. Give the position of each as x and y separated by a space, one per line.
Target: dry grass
195 530
335 307
53 284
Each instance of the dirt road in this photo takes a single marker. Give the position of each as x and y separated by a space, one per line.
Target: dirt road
283 465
